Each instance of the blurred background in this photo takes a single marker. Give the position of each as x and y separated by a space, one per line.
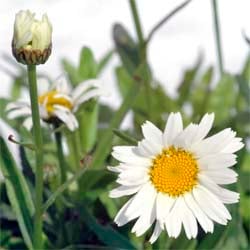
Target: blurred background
175 47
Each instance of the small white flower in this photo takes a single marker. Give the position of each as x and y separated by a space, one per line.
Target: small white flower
175 177
30 33
60 102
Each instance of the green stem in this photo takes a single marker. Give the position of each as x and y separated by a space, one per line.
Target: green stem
37 134
58 137
125 137
217 36
143 55
63 187
137 23
77 150
166 19
105 143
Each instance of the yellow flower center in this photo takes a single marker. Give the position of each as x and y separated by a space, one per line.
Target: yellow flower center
53 98
174 171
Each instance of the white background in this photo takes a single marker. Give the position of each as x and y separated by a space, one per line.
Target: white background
78 23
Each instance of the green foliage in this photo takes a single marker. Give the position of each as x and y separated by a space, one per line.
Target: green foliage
18 193
106 234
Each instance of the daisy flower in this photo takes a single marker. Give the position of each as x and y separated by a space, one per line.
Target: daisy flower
59 102
175 178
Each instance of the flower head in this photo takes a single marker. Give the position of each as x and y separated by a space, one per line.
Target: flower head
32 38
175 177
58 103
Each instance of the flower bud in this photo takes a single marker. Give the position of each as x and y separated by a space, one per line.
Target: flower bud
31 42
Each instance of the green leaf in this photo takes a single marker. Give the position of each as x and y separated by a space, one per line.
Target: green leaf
72 72
246 70
106 233
88 118
87 67
3 103
211 240
18 193
124 80
16 88
245 207
126 48
125 137
6 212
187 82
244 88
222 99
105 143
201 92
93 177
104 61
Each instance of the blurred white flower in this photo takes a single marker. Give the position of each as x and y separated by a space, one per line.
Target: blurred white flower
32 38
175 177
59 102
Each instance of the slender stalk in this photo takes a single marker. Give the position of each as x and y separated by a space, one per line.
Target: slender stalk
37 134
137 23
217 36
165 19
105 142
143 55
77 149
58 137
125 137
64 186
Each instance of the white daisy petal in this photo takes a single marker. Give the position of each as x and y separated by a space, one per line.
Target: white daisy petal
64 96
133 208
133 176
188 220
148 214
226 196
217 161
222 176
148 149
214 144
134 173
164 204
128 156
211 205
84 86
114 169
28 123
204 127
186 137
67 117
87 96
123 191
147 218
123 217
233 146
173 220
202 218
173 127
61 84
21 112
128 182
152 133
16 105
156 233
